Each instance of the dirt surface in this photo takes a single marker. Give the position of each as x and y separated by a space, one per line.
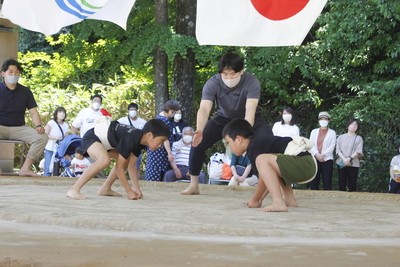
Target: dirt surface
40 226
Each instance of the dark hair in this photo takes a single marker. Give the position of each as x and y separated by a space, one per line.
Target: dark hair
289 110
58 110
133 105
99 96
11 62
157 128
351 121
171 104
237 127
230 61
79 150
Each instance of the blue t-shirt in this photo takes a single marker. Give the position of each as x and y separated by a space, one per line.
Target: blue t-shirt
14 103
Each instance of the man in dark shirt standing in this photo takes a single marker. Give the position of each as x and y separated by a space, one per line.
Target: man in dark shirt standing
14 100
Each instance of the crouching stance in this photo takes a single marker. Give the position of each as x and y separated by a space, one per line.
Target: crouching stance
123 143
277 167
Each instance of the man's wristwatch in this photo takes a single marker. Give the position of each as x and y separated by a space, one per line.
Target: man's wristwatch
37 126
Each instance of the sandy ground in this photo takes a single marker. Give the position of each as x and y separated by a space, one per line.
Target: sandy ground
40 226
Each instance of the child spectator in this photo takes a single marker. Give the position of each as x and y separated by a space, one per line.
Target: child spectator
79 164
276 170
241 171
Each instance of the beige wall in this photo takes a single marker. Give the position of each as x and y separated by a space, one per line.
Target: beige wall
8 42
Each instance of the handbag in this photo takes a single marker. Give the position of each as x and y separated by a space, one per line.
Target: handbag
341 163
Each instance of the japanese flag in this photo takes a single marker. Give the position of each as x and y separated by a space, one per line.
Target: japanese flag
255 22
49 16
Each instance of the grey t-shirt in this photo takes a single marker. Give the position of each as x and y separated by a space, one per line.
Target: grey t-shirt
231 102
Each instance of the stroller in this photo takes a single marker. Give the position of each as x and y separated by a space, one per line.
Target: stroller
66 147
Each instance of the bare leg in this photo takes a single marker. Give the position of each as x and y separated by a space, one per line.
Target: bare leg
1 172
269 173
26 169
99 153
193 188
105 189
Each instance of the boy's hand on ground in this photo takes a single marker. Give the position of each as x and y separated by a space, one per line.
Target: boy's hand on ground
131 195
252 203
139 193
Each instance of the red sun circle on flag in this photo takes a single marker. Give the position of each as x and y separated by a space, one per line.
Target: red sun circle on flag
279 9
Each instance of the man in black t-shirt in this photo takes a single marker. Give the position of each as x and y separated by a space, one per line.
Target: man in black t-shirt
123 143
275 169
15 99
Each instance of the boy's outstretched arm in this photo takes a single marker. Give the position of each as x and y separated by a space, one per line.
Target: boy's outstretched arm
120 167
134 175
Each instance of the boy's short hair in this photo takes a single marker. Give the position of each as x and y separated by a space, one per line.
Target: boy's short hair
99 96
11 62
157 128
79 150
237 127
230 61
133 105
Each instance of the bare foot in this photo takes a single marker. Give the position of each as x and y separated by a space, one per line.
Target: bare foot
275 206
191 191
251 203
74 194
108 192
28 173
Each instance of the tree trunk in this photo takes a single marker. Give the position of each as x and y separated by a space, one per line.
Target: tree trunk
161 60
184 71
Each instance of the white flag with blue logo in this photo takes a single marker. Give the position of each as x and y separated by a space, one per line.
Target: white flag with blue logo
49 16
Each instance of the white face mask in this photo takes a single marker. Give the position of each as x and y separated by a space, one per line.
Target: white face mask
232 82
287 117
187 138
96 105
13 80
323 123
178 117
132 113
61 115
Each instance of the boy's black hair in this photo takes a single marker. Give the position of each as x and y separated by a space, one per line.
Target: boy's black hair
133 105
237 127
157 128
230 61
79 150
99 96
11 62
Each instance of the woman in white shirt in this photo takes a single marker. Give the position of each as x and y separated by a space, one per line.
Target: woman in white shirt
56 129
324 142
286 127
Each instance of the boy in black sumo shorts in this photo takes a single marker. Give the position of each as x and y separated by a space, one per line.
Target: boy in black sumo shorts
275 169
123 143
